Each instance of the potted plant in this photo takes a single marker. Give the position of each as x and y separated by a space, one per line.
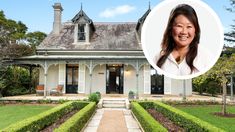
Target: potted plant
131 95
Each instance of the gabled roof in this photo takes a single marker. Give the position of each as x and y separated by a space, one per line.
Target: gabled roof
80 14
142 19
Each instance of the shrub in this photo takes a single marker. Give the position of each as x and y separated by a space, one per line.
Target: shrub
131 95
78 121
185 120
99 95
44 119
148 123
93 98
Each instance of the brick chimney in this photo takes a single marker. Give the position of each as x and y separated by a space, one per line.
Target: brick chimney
57 18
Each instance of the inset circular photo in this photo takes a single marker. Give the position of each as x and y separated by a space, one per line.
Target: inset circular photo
182 39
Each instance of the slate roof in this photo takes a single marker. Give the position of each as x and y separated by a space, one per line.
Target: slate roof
108 36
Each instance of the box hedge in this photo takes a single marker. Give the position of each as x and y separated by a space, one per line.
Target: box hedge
148 123
44 119
185 120
78 121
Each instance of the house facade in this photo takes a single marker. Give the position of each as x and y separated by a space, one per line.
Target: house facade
85 57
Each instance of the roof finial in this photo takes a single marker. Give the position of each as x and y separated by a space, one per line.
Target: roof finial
149 5
81 6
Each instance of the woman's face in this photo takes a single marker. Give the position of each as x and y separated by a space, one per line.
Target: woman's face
183 31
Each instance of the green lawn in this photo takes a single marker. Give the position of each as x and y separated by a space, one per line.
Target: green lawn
13 113
205 113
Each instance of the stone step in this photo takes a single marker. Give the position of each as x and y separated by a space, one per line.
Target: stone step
113 102
114 99
114 105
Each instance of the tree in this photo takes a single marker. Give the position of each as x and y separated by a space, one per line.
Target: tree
230 36
218 73
35 38
224 66
15 42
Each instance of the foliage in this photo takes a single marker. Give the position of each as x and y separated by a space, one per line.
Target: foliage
78 121
15 42
99 95
16 80
219 73
35 38
185 120
225 64
46 118
131 95
213 87
93 97
191 103
230 36
148 123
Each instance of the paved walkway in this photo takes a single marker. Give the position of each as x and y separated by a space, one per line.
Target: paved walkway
112 120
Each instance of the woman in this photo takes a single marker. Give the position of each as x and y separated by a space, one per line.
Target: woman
181 53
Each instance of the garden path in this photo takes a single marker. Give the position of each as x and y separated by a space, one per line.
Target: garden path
112 120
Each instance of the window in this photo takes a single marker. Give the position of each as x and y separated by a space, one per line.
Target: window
81 32
157 82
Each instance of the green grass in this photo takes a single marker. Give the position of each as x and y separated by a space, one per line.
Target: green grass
13 113
205 113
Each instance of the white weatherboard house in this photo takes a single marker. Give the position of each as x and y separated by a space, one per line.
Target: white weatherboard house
86 57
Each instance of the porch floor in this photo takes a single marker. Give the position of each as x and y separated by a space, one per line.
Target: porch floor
104 96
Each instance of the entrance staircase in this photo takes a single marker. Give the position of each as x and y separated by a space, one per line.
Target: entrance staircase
114 103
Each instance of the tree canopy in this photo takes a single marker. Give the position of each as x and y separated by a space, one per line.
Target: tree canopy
15 42
14 39
230 36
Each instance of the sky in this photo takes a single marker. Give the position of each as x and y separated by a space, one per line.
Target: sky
38 15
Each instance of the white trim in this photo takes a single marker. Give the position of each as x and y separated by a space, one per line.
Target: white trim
81 57
87 51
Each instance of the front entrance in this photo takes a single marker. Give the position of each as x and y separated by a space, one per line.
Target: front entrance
114 79
157 82
71 78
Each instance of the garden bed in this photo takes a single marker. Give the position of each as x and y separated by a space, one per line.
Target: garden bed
60 121
179 120
168 124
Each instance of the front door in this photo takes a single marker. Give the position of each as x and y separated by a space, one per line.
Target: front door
157 82
114 79
71 78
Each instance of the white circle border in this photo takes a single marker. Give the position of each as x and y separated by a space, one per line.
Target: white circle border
177 2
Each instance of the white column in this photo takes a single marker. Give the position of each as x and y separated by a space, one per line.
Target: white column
167 85
147 79
81 78
45 78
62 74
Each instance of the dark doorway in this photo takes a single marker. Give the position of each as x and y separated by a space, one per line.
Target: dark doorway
71 78
157 82
114 79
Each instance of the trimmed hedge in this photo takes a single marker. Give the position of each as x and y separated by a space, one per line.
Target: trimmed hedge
148 123
44 119
78 121
185 120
